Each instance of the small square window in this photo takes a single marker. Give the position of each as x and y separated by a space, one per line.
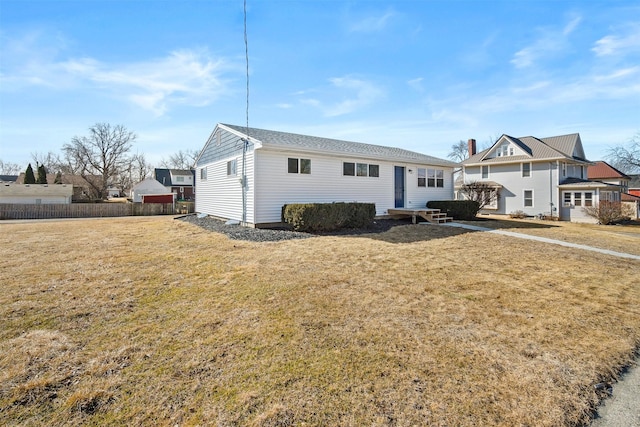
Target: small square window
292 165
349 169
361 169
588 199
577 199
374 171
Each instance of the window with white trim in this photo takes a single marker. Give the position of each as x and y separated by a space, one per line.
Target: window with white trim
302 166
566 199
422 177
528 198
232 166
435 178
360 169
485 171
203 174
588 198
577 199
526 170
179 178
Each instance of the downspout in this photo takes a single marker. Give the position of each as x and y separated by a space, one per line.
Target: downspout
551 189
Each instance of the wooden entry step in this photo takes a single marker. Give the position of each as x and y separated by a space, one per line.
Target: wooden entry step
431 215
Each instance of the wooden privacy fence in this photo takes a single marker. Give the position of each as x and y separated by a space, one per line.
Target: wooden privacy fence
83 210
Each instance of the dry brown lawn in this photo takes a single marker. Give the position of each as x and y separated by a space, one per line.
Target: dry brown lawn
154 321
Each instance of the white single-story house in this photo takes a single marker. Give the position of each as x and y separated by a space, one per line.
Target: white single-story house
248 174
36 194
146 187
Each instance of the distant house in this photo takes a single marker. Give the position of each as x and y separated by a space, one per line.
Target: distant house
177 181
150 187
36 194
82 188
604 172
634 185
249 174
8 178
538 176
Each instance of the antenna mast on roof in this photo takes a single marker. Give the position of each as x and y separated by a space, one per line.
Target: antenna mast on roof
245 142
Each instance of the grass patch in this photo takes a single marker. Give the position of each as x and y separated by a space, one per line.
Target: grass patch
152 321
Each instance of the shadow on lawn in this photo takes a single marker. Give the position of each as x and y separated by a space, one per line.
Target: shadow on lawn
403 231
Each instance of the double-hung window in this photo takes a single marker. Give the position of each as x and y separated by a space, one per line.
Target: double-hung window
528 198
526 170
485 172
422 177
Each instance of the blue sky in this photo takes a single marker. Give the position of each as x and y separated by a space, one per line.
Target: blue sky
420 75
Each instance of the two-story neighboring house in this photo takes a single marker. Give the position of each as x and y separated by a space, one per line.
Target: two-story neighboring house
538 176
178 181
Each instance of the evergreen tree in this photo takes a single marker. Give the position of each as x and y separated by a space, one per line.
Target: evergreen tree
58 179
29 177
42 175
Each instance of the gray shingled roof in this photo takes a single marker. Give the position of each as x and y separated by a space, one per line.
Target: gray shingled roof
335 146
550 148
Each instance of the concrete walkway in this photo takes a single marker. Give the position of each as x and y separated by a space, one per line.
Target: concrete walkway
622 409
542 239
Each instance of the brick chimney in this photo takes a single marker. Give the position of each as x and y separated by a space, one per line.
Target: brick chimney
472 147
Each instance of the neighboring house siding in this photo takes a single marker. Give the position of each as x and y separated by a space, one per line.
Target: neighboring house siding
542 181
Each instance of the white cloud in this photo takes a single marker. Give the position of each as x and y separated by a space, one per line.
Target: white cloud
548 43
416 84
619 44
183 77
364 93
372 23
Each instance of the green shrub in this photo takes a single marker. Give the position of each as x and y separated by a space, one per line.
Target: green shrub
457 209
328 216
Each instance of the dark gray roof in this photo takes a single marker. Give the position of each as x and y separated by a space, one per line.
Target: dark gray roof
567 147
8 178
270 138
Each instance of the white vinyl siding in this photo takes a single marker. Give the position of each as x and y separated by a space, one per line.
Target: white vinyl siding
329 183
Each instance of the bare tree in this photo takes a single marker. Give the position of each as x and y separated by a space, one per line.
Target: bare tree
607 212
8 168
183 159
136 170
459 152
50 160
483 193
627 157
104 153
